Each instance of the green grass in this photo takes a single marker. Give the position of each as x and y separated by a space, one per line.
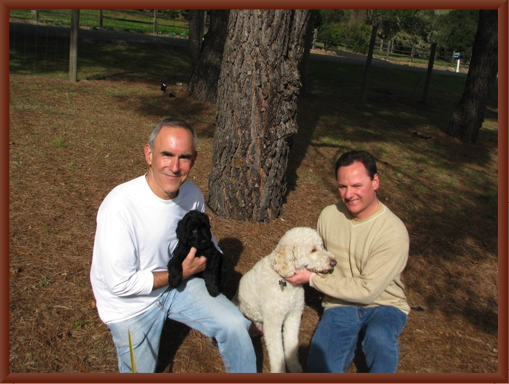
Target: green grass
132 21
45 281
59 142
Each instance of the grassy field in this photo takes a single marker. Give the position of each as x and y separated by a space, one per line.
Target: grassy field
125 20
70 144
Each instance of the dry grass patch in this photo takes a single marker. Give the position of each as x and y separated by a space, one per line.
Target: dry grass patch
69 145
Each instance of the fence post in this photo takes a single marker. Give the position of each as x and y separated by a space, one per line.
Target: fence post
412 54
388 49
430 70
100 18
37 16
155 21
73 45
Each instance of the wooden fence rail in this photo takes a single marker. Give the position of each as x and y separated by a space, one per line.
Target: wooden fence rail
387 48
155 17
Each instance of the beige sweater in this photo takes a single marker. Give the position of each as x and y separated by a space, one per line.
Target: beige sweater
371 255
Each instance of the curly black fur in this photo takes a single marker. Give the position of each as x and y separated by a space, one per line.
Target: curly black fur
194 231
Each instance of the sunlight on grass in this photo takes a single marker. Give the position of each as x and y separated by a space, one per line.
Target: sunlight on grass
333 141
59 142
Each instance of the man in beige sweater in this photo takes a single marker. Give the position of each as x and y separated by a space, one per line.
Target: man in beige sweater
364 297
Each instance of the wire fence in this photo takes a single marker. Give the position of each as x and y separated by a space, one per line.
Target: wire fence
171 22
39 39
38 50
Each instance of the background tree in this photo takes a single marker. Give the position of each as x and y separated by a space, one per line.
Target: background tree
391 21
207 57
468 117
455 31
314 21
196 31
257 108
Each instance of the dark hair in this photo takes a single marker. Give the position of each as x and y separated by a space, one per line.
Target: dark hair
168 122
364 157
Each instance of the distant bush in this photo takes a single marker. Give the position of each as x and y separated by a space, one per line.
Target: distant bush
354 37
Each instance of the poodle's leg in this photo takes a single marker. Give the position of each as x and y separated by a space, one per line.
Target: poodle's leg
291 328
212 274
210 282
175 268
272 328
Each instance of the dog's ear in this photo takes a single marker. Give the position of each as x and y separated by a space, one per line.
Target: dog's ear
284 261
204 219
180 229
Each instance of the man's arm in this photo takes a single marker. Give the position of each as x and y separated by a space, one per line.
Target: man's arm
190 266
301 276
384 265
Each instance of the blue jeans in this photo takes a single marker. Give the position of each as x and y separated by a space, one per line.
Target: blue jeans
192 305
334 342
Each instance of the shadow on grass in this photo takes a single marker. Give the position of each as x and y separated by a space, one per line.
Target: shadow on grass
41 52
448 206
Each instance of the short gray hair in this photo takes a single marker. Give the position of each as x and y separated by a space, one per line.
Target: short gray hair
169 122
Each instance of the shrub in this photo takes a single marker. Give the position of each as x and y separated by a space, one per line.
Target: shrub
331 35
355 37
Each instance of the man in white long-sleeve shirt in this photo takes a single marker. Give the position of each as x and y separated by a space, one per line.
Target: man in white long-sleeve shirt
134 240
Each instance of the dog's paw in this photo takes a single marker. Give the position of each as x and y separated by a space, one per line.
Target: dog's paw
174 277
213 290
294 367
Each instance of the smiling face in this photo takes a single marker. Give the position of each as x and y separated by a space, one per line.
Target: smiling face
170 161
358 190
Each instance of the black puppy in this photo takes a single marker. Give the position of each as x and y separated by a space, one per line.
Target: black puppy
194 231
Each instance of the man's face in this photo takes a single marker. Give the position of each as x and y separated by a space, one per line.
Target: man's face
170 161
357 190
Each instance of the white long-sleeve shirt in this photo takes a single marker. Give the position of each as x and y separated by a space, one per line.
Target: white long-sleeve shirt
134 237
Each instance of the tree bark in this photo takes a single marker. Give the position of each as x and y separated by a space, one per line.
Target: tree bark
467 119
196 31
207 62
367 68
304 65
257 110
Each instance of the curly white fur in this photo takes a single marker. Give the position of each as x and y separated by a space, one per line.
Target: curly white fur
277 307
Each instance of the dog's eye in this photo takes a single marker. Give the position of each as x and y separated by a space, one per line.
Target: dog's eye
313 250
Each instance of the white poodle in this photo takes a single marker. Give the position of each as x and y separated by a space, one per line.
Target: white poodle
275 305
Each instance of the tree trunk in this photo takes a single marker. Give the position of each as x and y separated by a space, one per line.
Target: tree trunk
304 65
468 117
207 67
73 45
367 68
257 110
196 31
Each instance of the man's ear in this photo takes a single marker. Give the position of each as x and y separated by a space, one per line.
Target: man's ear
148 154
376 181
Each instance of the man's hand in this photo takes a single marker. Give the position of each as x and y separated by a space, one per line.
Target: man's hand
192 264
301 276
